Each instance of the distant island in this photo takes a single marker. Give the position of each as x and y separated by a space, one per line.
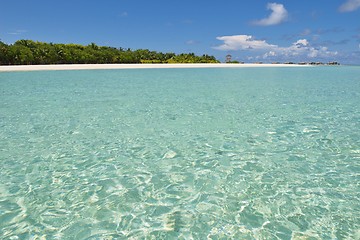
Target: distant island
228 60
291 63
28 52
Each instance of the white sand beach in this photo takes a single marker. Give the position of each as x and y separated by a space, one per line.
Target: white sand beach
134 66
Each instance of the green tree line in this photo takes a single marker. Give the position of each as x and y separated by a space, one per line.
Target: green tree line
26 52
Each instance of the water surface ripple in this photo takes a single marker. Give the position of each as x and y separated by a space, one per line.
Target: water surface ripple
260 153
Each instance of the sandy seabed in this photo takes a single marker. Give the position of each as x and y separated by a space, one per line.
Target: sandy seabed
132 66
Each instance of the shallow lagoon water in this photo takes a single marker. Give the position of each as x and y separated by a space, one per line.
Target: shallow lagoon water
247 153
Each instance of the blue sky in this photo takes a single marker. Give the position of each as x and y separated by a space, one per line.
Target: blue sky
249 30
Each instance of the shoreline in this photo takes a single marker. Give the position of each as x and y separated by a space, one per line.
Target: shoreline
54 67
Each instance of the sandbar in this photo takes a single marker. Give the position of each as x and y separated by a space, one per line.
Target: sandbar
14 68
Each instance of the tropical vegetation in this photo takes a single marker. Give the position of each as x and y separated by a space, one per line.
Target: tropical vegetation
26 52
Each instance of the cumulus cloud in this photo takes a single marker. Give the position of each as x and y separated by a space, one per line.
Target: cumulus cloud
301 48
279 14
349 6
242 42
301 43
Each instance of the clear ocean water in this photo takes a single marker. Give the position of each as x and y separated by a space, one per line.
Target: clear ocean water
247 153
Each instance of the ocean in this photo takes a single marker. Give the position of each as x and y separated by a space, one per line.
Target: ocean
218 153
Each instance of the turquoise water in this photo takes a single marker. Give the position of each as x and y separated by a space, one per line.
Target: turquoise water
248 153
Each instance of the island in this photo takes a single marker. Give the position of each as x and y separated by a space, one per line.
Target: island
28 52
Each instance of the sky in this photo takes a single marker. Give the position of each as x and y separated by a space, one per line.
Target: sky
248 30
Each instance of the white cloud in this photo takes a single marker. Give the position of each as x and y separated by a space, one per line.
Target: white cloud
279 14
349 6
269 54
301 43
301 48
242 42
